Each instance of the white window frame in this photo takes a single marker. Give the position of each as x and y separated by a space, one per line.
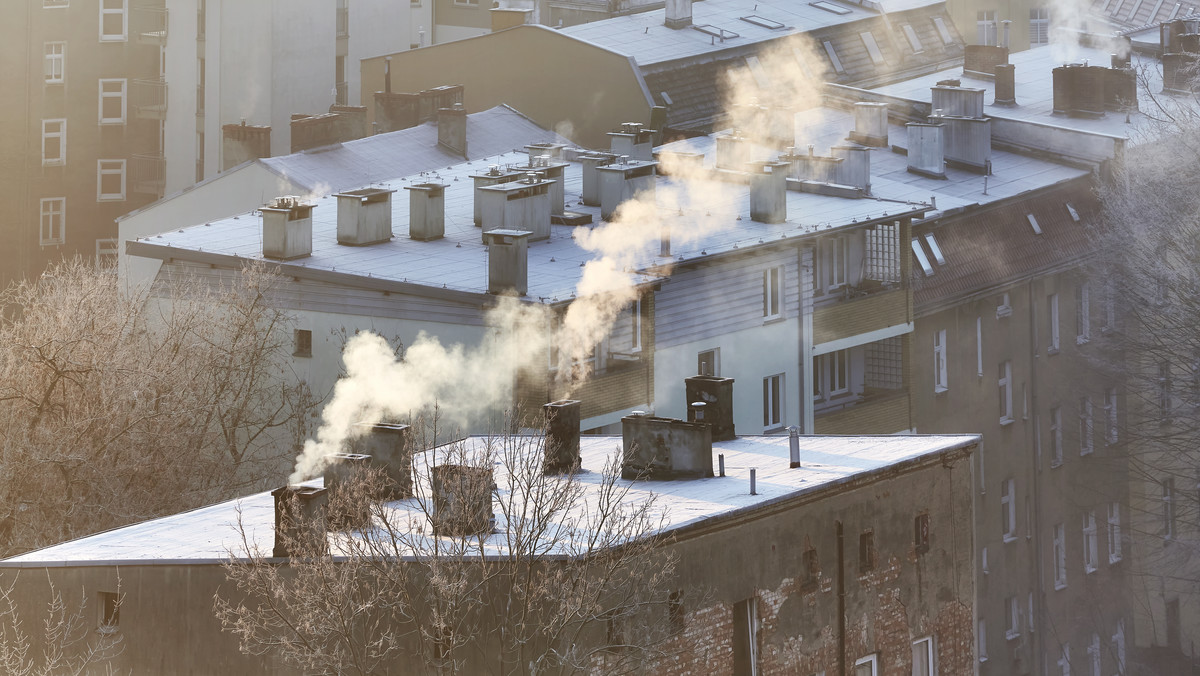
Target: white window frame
922 258
1004 385
52 228
1012 618
1056 437
107 11
839 262
979 345
985 27
940 374
1114 532
1008 509
1111 434
872 46
106 251
122 88
943 31
1119 646
1033 223
61 135
1039 27
913 40
935 249
774 402
1064 662
1052 310
1090 555
981 639
1005 307
772 286
109 168
55 62
871 660
1060 556
635 325
1086 429
925 647
831 375
1083 314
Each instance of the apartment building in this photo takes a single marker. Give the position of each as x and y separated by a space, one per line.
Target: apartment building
791 573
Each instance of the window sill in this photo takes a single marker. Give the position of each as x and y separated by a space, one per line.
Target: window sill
1082 340
1059 586
55 83
302 355
1112 561
773 319
1083 452
1012 635
938 390
1055 464
1010 537
113 38
1003 311
1051 351
1006 421
1090 569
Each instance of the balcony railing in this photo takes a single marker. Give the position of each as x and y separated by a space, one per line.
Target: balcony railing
148 174
343 22
150 25
150 99
342 89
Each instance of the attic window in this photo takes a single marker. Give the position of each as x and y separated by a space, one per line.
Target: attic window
872 48
762 21
666 98
944 32
913 40
833 57
937 250
1037 229
759 73
715 31
830 7
921 257
1074 214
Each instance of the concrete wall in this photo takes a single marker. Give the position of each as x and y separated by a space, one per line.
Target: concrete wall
531 69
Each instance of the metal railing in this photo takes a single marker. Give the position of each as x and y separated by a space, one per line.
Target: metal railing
150 24
150 99
148 174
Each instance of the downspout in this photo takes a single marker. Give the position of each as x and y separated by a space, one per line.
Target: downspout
1036 521
841 598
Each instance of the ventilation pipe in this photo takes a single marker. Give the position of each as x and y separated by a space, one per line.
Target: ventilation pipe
426 211
299 521
364 216
794 446
562 437
287 228
508 261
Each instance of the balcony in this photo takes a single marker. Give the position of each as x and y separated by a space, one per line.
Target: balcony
343 22
150 25
149 98
342 89
622 385
148 174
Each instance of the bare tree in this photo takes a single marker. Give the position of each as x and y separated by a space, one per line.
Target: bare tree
113 409
573 576
68 644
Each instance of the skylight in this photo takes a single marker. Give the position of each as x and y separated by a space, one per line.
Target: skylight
762 21
830 7
833 57
913 40
872 48
944 32
937 250
1037 229
715 31
759 73
1074 214
921 257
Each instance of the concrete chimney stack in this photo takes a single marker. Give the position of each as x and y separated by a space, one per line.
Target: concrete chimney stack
870 124
768 191
299 521
562 437
389 447
508 261
462 500
523 204
287 228
926 149
426 211
364 216
452 129
624 181
679 13
632 141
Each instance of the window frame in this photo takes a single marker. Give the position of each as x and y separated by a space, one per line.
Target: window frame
1059 552
1039 26
1111 432
108 606
867 554
635 325
110 168
1056 437
123 36
774 396
1086 427
871 660
1053 319
121 96
55 63
1004 384
772 293
60 136
1083 314
747 610
1168 508
60 226
940 372
925 646
1008 509
1114 532
1012 618
1090 553
107 251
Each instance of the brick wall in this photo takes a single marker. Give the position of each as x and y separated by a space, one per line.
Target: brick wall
860 315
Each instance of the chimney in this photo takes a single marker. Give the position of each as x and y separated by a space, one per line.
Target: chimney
346 512
508 17
243 142
508 261
855 168
562 437
979 61
717 396
364 216
661 449
926 149
493 176
426 211
553 150
967 142
733 151
299 521
679 162
768 192
957 101
388 446
1006 85
679 14
551 170
591 178
624 181
462 500
632 141
1120 89
1079 90
520 205
452 129
1007 33
287 228
870 124
810 166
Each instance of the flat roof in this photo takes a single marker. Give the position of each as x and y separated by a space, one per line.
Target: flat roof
208 535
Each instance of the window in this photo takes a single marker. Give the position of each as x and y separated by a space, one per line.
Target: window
1008 509
1012 618
1064 662
1072 212
112 101
872 48
1052 316
866 551
1110 416
114 22
982 638
833 58
708 362
615 628
773 402
772 286
939 361
676 618
831 375
979 345
1030 616
922 259
1056 454
1164 388
1118 640
923 656
53 229
303 343
985 27
983 560
1114 532
110 180
867 666
1083 314
1037 229
342 23
1089 541
54 142
635 326
913 40
1004 383
110 612
934 248
745 637
943 31
810 572
1085 425
1039 27
1168 508
106 252
56 62
921 533
1004 309
1094 654
468 3
1110 307
1060 556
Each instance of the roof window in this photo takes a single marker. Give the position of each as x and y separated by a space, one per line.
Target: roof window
1074 214
830 7
833 57
872 48
933 247
762 21
923 259
1037 229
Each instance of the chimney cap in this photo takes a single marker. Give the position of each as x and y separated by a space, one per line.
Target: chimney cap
427 187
